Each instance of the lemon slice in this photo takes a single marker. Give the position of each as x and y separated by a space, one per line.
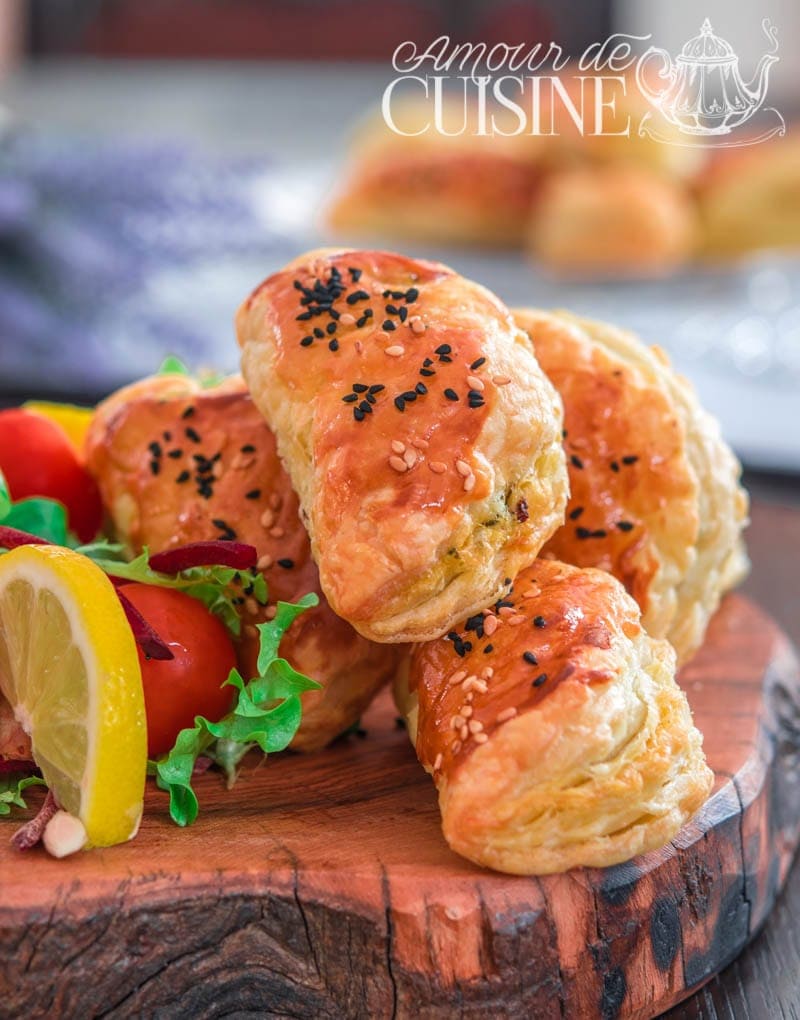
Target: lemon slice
75 421
70 670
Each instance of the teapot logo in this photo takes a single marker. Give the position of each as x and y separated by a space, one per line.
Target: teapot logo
703 94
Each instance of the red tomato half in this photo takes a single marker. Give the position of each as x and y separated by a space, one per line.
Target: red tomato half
176 690
38 459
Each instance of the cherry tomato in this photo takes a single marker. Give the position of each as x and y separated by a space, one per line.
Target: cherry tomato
38 459
176 690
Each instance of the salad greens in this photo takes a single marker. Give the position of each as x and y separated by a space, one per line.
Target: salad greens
43 517
267 715
11 788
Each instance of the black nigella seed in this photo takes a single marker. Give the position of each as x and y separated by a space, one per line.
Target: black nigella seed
399 403
166 436
575 514
397 294
191 434
175 454
583 532
540 679
184 476
539 621
421 388
387 293
333 345
451 394
368 312
188 412
377 388
253 494
476 403
331 328
599 533
614 466
361 322
531 658
403 314
365 407
445 359
318 333
358 414
155 467
359 387
443 349
334 314
155 449
477 363
287 564
625 525
303 317
391 309
389 326
307 341
411 294
351 398
576 462
371 398
355 274
357 295
487 649
409 395
248 448
427 372
630 459
427 362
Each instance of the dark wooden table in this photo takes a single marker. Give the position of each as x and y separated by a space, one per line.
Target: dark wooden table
764 982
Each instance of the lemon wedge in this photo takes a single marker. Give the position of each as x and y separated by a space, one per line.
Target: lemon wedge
70 670
75 421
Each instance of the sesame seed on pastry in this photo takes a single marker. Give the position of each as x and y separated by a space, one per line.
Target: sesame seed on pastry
655 491
569 743
177 463
420 434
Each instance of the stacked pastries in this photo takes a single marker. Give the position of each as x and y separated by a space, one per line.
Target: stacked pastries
551 720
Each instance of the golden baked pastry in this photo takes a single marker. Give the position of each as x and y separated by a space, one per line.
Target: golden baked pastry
177 463
611 220
420 434
750 198
655 492
463 189
569 744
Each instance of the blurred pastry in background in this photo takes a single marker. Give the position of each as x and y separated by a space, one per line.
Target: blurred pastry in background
750 199
655 496
611 220
177 463
464 189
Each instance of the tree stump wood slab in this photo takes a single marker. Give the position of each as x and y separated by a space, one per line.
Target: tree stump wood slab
321 885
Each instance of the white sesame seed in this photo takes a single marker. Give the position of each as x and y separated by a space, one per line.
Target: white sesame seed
398 464
437 467
469 483
398 447
217 470
466 711
395 351
438 762
463 732
358 346
474 726
381 335
480 738
264 562
506 714
416 324
489 625
468 681
487 673
420 444
277 532
456 678
475 383
251 606
267 519
275 501
346 319
506 611
242 461
457 745
456 722
410 457
517 619
470 698
501 380
531 593
463 468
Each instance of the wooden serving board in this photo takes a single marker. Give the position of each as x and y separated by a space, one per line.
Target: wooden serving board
321 885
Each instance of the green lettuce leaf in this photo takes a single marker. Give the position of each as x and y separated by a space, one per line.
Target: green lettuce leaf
11 787
37 515
218 588
267 715
172 366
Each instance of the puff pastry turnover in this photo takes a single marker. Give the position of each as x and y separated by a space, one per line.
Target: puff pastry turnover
420 434
176 463
655 492
570 743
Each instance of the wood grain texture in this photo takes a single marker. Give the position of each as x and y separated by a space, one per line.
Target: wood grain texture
321 886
